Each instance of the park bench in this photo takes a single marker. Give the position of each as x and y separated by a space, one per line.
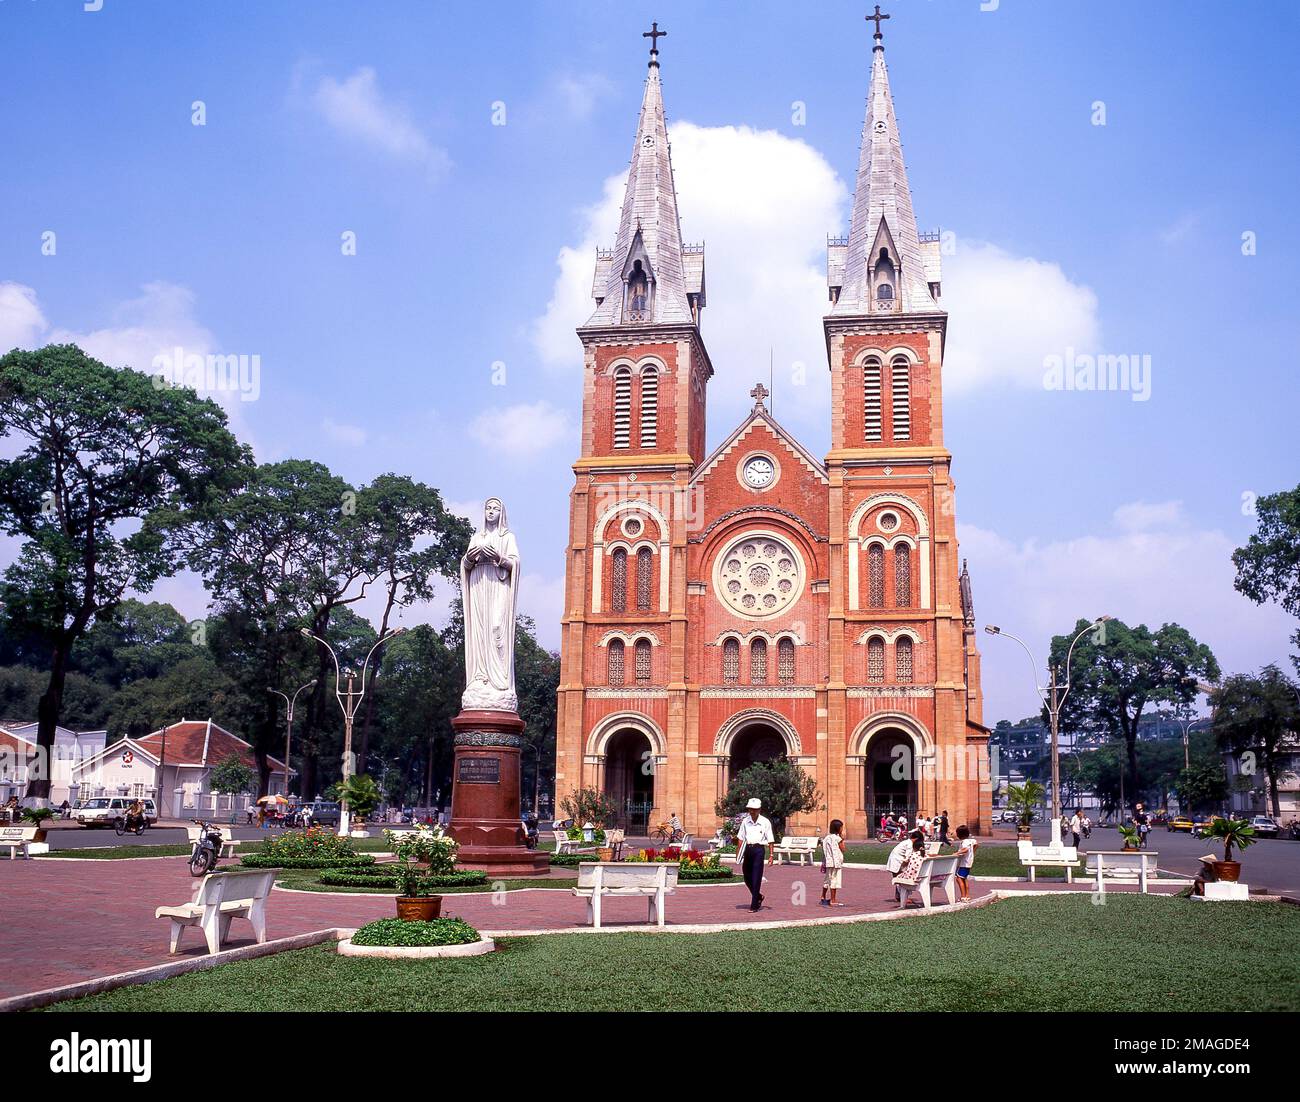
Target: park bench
1121 865
565 844
651 880
796 846
223 896
615 840
18 838
936 872
1033 857
228 839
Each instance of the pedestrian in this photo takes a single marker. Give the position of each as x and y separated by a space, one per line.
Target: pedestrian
907 878
754 841
833 863
902 822
966 846
943 828
1076 826
898 858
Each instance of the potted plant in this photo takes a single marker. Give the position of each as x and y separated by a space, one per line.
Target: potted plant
415 903
1132 838
1231 832
1023 799
38 815
362 796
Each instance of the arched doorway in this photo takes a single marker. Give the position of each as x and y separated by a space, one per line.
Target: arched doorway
891 773
629 778
754 743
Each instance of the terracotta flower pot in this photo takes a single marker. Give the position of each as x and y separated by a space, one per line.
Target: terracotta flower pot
419 908
1228 870
40 835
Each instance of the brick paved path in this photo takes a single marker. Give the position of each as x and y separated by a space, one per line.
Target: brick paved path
66 921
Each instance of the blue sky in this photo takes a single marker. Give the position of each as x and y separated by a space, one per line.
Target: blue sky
473 248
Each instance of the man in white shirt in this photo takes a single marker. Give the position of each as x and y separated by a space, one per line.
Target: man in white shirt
754 841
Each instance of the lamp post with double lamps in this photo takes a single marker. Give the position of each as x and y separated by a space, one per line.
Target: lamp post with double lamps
1053 696
289 701
349 700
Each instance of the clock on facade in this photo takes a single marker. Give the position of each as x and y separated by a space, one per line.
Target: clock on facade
759 472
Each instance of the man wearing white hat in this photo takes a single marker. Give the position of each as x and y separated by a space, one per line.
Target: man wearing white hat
754 841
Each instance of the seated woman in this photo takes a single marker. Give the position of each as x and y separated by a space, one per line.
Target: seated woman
905 880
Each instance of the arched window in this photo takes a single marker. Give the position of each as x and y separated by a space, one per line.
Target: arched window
876 576
758 662
903 659
901 398
875 659
616 662
871 399
618 581
785 660
623 408
902 576
730 661
885 292
643 661
649 407
644 569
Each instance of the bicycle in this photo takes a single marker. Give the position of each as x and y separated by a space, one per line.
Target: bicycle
665 833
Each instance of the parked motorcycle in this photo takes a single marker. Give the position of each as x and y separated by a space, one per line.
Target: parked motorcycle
207 850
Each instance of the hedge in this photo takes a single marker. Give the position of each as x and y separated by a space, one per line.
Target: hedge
569 860
395 931
263 861
705 874
381 877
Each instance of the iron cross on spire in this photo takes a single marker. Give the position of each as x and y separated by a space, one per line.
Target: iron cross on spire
654 34
759 393
876 18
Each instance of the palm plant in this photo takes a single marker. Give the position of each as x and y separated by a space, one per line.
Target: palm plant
1232 832
1023 799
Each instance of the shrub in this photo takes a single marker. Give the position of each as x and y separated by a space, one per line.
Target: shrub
589 805
396 931
783 786
264 861
385 877
428 844
569 860
314 842
705 874
597 835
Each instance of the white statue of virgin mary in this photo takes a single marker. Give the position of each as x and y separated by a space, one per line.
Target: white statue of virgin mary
489 585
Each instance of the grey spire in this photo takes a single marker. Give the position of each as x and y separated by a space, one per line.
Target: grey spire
649 243
882 218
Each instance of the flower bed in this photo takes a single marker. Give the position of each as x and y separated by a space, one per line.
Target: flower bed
259 860
384 877
395 931
315 843
688 859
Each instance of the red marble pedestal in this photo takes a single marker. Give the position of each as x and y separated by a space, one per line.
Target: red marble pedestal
485 796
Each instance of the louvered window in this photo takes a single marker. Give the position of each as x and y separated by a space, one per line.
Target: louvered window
622 408
616 662
902 576
730 661
871 399
643 661
618 582
901 399
644 569
785 661
875 659
875 576
758 662
649 407
903 660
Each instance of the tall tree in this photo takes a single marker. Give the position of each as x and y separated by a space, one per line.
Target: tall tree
1259 716
1268 567
1117 671
110 471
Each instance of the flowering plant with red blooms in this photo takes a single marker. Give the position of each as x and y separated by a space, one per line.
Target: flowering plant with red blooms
687 859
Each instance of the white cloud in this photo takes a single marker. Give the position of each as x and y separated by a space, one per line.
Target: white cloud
357 109
542 598
1154 566
351 435
21 320
521 430
764 202
1007 313
580 94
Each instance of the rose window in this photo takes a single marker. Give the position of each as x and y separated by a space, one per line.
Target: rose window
759 575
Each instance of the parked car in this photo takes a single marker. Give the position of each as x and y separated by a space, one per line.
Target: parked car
324 813
1265 827
1183 823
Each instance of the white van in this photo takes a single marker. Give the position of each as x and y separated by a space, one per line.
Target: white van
103 810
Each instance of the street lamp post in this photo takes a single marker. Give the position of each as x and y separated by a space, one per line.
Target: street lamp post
1053 696
349 701
288 732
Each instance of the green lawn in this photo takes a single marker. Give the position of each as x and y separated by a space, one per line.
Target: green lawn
120 853
1064 952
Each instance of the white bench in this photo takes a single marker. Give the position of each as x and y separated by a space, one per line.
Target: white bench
796 846
935 872
228 839
18 838
1121 865
223 896
652 880
565 844
1032 857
